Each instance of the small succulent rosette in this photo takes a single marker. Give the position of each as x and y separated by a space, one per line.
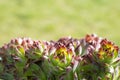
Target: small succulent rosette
99 60
61 60
108 57
18 57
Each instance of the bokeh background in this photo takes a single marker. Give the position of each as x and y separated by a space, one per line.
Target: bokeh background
52 19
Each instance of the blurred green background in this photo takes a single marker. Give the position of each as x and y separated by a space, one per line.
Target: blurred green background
52 19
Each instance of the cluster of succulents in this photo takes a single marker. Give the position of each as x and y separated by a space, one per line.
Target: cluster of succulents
89 58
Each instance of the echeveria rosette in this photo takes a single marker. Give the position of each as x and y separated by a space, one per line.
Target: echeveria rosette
61 59
12 57
108 51
108 57
6 64
18 56
98 58
87 64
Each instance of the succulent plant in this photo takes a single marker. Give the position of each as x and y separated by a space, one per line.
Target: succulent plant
99 61
89 58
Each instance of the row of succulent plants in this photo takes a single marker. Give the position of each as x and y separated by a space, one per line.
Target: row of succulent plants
89 58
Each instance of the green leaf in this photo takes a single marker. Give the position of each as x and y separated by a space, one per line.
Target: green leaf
21 51
8 76
1 67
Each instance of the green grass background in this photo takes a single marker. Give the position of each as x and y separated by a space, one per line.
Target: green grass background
52 19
